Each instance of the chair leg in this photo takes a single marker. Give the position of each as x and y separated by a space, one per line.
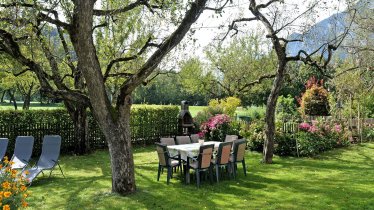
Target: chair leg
197 178
217 173
228 166
61 170
233 170
244 168
211 173
159 172
169 174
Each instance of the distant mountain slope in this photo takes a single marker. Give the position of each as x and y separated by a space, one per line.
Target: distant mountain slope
325 31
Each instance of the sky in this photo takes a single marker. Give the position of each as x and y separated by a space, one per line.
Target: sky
207 25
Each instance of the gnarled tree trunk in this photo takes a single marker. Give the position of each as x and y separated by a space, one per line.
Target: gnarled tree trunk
271 104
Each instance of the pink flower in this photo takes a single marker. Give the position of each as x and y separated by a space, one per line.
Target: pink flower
304 126
338 128
313 129
201 134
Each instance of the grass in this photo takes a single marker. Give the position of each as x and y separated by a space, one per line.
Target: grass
33 106
340 179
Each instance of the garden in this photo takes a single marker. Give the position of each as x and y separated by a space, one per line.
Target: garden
276 111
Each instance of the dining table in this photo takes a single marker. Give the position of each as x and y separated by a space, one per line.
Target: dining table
188 152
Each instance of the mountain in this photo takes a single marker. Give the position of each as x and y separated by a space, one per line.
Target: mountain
325 31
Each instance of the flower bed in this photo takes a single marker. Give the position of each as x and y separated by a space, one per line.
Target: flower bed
13 190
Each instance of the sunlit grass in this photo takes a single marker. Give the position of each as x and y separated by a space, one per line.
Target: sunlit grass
340 179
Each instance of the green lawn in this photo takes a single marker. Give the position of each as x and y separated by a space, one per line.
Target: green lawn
33 106
340 179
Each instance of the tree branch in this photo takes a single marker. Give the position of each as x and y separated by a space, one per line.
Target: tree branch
124 59
190 17
219 9
258 81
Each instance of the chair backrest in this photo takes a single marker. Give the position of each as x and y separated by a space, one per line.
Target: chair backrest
231 138
183 140
50 152
205 156
167 141
223 154
3 146
239 150
194 138
22 151
163 154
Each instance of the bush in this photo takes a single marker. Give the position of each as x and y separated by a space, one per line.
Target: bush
227 105
315 100
321 136
13 190
216 128
286 144
255 135
286 109
147 124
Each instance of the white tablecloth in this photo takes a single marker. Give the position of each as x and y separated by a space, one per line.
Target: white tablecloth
189 150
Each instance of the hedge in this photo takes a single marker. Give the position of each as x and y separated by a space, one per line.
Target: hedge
148 124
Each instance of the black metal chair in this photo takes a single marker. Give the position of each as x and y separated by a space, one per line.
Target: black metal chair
166 161
167 141
203 162
222 158
238 156
194 138
183 140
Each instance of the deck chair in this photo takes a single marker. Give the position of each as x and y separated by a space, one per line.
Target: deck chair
48 159
3 147
22 152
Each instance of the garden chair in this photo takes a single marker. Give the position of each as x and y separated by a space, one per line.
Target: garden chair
194 138
202 162
222 158
238 155
3 146
165 161
22 152
167 141
183 140
231 138
48 158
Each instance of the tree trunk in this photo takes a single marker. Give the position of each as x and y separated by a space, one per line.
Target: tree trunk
121 156
2 96
81 131
78 114
12 99
26 102
271 104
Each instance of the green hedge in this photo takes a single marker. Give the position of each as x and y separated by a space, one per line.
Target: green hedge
148 124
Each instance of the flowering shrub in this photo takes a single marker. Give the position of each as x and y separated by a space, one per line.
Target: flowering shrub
315 99
255 135
216 127
320 136
13 190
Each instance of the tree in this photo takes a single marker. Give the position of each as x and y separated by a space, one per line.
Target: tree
197 79
242 65
275 18
88 75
